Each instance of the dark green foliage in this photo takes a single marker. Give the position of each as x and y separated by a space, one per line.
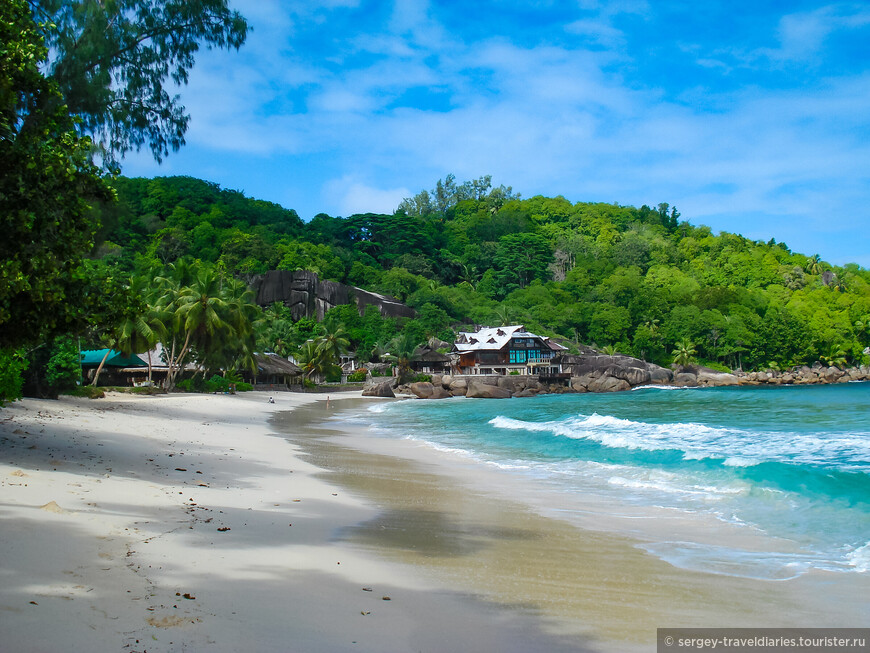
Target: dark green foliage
52 368
216 384
520 259
63 370
635 280
87 391
46 183
12 367
113 62
172 217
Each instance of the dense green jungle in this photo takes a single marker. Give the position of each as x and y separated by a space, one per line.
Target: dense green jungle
640 281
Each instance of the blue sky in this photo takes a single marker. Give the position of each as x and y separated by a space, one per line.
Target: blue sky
750 117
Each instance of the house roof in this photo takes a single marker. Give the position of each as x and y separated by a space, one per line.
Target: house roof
494 338
115 359
158 357
274 364
426 354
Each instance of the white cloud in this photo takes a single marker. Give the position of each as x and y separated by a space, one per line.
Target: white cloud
598 32
352 196
802 35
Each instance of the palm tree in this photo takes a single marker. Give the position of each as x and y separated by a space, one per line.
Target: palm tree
136 332
836 356
504 315
310 359
333 343
402 348
273 329
684 353
379 350
209 316
468 274
142 332
200 314
814 264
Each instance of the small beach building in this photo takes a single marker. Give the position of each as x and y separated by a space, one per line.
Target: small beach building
117 369
503 350
429 361
274 372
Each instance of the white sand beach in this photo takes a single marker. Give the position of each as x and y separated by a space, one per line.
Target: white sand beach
183 523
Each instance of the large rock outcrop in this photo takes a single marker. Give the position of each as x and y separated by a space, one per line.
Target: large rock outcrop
377 387
481 390
306 295
805 375
592 371
426 390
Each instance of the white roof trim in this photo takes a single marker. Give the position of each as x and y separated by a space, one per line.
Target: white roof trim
491 338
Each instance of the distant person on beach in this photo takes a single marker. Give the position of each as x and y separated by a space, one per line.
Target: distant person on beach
271 400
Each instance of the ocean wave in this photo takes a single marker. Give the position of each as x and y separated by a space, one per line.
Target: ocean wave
740 461
731 447
677 485
726 561
664 388
859 559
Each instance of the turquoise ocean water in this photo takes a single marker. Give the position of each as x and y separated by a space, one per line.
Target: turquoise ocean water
789 464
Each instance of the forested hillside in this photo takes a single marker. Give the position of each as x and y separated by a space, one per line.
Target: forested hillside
637 280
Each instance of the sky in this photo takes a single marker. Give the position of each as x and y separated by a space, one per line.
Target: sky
749 117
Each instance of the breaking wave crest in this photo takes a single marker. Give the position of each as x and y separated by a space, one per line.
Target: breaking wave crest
733 447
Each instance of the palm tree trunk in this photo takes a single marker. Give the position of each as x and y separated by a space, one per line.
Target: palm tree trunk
100 368
176 365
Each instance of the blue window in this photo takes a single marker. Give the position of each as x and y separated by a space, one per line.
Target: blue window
517 356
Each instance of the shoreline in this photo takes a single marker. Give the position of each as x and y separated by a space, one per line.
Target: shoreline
198 522
569 575
184 522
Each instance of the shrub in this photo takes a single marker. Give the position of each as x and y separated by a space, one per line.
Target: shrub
242 386
12 366
357 376
333 374
716 366
217 383
422 378
308 383
62 370
88 391
185 385
515 373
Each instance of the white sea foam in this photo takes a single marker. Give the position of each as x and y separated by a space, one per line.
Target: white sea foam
859 559
737 562
735 447
663 388
740 461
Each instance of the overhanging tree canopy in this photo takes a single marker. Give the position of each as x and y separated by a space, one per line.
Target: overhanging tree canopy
46 181
115 63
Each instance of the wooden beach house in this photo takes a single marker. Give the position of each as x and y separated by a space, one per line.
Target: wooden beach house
505 350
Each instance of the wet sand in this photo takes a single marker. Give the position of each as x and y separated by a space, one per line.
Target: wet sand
596 584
